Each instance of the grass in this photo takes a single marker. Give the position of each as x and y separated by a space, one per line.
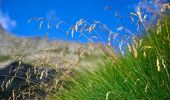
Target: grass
143 73
4 58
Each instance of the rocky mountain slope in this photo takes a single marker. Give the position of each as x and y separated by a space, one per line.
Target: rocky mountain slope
42 52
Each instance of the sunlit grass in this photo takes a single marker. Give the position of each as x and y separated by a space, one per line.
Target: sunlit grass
140 70
143 73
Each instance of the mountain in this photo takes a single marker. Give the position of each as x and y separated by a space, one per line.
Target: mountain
43 52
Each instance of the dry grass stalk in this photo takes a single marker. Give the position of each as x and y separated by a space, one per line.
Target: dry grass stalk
107 95
135 53
109 38
129 47
158 64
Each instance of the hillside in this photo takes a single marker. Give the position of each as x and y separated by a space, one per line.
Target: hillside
41 56
36 50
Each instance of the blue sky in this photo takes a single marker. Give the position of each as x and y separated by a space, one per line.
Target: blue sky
14 14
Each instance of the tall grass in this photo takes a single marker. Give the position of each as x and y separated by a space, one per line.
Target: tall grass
143 73
140 73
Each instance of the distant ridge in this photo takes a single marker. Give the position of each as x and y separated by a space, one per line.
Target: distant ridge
34 48
1 29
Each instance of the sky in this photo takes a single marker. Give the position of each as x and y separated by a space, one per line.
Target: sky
14 15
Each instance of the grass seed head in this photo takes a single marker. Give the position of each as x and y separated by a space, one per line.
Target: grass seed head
158 64
135 53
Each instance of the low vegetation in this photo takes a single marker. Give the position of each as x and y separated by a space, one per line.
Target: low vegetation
143 73
138 70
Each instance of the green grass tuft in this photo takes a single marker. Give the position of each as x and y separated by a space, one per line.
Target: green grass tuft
143 77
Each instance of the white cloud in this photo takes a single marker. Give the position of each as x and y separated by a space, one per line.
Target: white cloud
6 22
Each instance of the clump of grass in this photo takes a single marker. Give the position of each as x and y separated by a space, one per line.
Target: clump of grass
142 74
